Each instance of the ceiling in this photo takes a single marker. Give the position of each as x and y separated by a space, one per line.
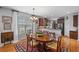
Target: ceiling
47 11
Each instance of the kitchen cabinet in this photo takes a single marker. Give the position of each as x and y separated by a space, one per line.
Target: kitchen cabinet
43 21
61 20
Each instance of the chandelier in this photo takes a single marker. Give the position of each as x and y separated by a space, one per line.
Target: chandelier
33 16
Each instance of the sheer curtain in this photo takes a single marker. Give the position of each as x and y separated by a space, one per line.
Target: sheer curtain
21 23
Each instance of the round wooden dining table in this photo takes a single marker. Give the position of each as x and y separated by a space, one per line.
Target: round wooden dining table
43 40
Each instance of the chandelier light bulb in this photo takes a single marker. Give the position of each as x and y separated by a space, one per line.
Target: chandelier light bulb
33 17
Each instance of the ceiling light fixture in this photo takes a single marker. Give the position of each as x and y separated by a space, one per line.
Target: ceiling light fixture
68 12
33 16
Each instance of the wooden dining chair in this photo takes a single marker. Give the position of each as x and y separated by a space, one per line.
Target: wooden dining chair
32 42
59 44
55 46
65 45
52 36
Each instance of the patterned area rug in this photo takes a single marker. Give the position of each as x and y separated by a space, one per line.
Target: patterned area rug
22 47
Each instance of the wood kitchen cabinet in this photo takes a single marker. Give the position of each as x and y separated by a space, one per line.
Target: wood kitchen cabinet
40 22
43 21
74 35
75 20
61 20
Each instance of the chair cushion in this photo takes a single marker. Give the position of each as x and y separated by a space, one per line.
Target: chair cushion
52 45
34 43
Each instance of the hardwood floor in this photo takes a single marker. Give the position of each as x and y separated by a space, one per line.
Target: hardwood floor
8 48
73 45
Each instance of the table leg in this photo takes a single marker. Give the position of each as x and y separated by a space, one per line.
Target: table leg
44 47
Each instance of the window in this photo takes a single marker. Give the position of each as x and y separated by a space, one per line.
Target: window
21 22
21 31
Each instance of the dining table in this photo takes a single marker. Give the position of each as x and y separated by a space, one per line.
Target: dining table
43 40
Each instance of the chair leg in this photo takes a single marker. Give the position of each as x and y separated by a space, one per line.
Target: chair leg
32 46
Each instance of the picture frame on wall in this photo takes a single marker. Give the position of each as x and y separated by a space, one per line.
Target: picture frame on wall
6 19
7 26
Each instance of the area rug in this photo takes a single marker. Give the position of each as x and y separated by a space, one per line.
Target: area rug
22 47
